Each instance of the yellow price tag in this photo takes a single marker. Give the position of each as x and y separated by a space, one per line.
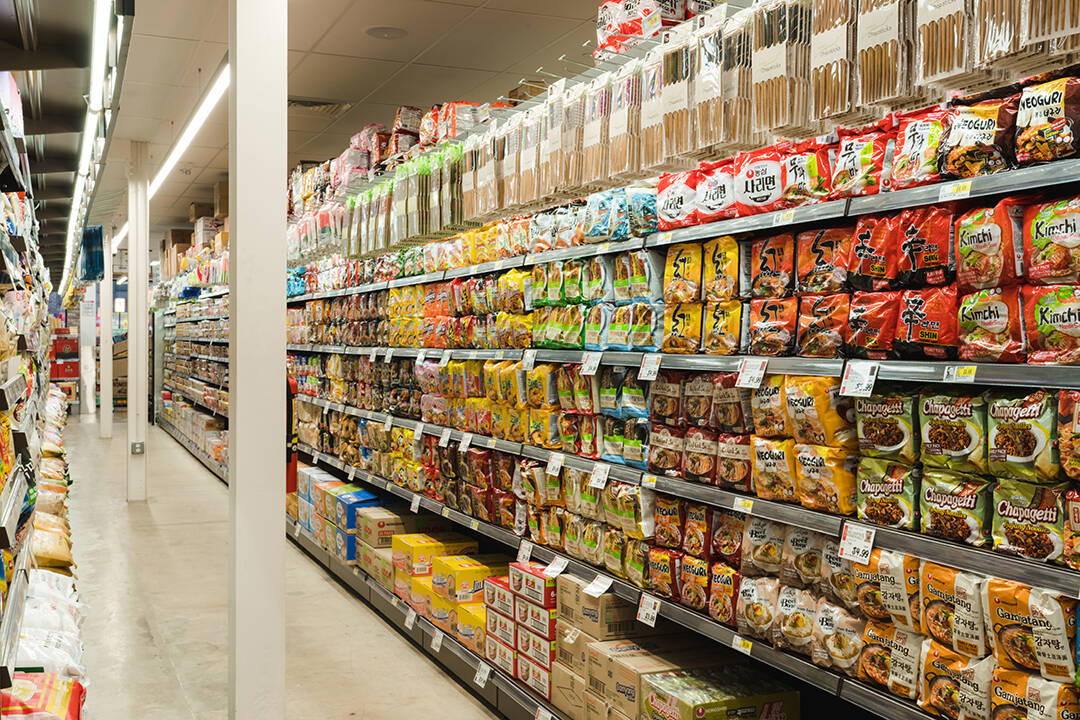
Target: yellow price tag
745 505
648 481
955 190
742 644
966 371
474 525
446 512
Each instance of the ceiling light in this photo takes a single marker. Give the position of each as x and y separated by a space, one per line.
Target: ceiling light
387 32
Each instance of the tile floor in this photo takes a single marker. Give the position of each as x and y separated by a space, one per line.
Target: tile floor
153 578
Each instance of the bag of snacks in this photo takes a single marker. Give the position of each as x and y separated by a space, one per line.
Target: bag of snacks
956 506
682 273
1014 693
837 638
759 181
991 326
1022 438
807 173
774 469
915 158
714 198
699 463
872 323
953 430
1029 519
988 246
875 260
682 328
863 160
1052 320
888 589
926 327
978 137
1031 629
826 478
773 326
888 493
952 612
768 405
823 259
724 324
953 685
1048 120
724 582
813 413
720 274
757 606
772 266
795 618
800 564
890 659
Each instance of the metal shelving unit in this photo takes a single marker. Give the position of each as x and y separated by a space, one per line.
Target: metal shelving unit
200 318
11 624
213 466
197 401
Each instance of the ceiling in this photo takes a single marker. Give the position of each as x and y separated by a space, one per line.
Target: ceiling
472 50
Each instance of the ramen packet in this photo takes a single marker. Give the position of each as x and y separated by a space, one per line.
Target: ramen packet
1014 693
1051 318
768 405
734 466
1031 629
915 158
956 506
636 443
978 137
823 259
991 326
665 398
954 686
697 535
1051 237
795 617
890 659
759 181
756 608
770 266
800 563
699 461
714 197
838 579
728 527
872 323
888 493
666 448
1022 439
1069 433
926 326
1048 121
826 478
774 469
1029 519
863 161
837 638
670 521
823 325
925 237
1071 553
807 172
952 612
886 425
762 546
665 570
773 326
615 552
724 582
989 246
953 430
813 411
875 259
725 328
637 562
731 406
675 199
888 588
720 269
682 273
694 582
682 328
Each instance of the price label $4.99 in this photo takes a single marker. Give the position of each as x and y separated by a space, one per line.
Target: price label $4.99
857 542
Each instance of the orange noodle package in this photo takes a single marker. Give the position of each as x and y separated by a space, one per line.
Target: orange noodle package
979 137
872 323
823 325
1031 629
772 266
1052 321
807 173
823 259
1052 241
925 236
773 326
926 326
991 326
863 160
915 158
874 257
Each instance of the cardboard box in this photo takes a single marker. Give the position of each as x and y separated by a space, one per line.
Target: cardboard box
197 210
596 707
527 580
420 595
568 692
537 678
540 621
383 567
402 584
378 524
501 656
221 198
664 697
346 505
603 654
624 690
605 618
365 557
497 595
443 614
460 578
344 546
221 242
472 626
572 647
176 237
538 649
119 349
501 627
613 714
415 552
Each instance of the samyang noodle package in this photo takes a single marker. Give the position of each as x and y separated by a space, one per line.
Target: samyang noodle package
991 326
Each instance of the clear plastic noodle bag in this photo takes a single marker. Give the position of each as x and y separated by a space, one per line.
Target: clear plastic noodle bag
595 135
528 163
573 137
737 41
885 29
508 147
416 200
945 45
652 111
624 128
434 193
680 54
551 149
471 162
488 179
781 67
708 82
451 200
832 66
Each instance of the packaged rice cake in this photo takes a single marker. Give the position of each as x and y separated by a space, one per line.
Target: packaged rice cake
888 589
953 685
953 430
1015 694
1052 324
1031 629
888 493
1022 437
887 425
956 506
890 659
952 611
837 638
1029 519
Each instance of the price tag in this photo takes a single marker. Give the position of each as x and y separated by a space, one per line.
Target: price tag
373 354
414 506
528 360
528 294
474 524
741 644
599 476
556 567
444 439
743 505
410 619
420 355
647 610
436 641
466 441
751 372
389 354
326 409
555 463
445 359
483 672
484 112
445 512
783 218
296 530
388 424
648 481
591 362
598 586
543 714
650 366
960 373
352 473
856 543
524 551
954 191
859 377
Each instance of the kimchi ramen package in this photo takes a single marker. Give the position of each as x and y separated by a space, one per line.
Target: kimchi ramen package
720 271
773 326
863 160
989 246
925 237
823 260
823 325
807 173
874 254
991 326
770 266
918 136
759 181
715 193
926 326
979 137
1069 434
675 199
1048 121
1052 241
872 325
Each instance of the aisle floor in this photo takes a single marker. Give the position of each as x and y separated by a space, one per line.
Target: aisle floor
153 578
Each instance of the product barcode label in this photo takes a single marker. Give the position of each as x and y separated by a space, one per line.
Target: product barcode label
388 424
783 218
528 360
373 353
444 360
555 568
598 586
555 463
857 542
648 481
590 363
524 551
954 191
466 441
742 644
352 473
474 524
598 478
445 512
648 609
436 641
650 366
751 372
960 373
410 619
483 672
444 438
389 354
744 505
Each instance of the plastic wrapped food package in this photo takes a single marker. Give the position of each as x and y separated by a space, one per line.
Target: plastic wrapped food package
596 147
737 43
832 65
680 53
624 126
781 66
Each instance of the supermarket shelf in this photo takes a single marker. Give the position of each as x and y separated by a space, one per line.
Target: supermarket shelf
500 690
12 392
195 356
200 378
11 625
208 341
11 503
880 703
200 318
488 267
169 324
197 401
416 280
217 468
1046 376
583 251
764 221
340 292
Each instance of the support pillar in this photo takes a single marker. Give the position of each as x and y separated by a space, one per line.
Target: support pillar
257 184
138 324
87 344
105 315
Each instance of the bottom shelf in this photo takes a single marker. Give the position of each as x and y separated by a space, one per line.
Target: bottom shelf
500 690
212 465
11 625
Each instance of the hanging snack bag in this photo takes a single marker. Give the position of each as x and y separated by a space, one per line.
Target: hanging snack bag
991 326
953 430
597 324
724 331
989 246
646 275
1048 121
757 607
890 658
773 326
762 546
598 285
956 506
813 413
1022 440
823 325
978 137
918 136
875 261
925 236
1029 519
772 266
807 173
720 257
682 328
759 181
823 259
926 327
888 589
837 638
768 406
1069 433
682 273
647 327
734 466
715 192
827 478
955 686
1052 241
774 469
863 160
1052 320
675 199
872 325
888 493
1031 629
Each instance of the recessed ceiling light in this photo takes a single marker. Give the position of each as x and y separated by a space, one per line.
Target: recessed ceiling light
387 32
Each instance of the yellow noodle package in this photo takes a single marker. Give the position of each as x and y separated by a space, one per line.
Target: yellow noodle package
723 327
491 378
682 273
721 269
826 478
769 408
544 429
512 384
812 409
517 420
682 328
542 386
774 469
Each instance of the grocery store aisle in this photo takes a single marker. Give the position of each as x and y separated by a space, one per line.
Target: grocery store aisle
153 578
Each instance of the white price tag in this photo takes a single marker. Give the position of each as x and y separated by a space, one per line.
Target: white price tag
555 463
599 476
474 524
466 441
444 360
960 373
590 363
528 360
741 644
543 714
650 366
598 586
444 439
857 542
859 378
647 610
389 354
650 24
436 641
373 354
648 481
420 355
556 567
352 473
743 505
751 372
296 530
445 512
410 619
483 672
528 294
524 551
415 504
954 191
484 112
388 424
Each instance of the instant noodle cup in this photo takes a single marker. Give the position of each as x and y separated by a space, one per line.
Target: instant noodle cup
772 266
1022 438
813 413
823 325
714 197
888 589
1069 433
727 534
724 582
838 579
1052 320
773 326
774 469
860 167
953 685
1031 629
720 269
665 570
927 250
762 546
768 405
800 564
807 172
991 326
694 582
875 260
826 478
837 638
1029 519
734 464
952 611
1014 693
823 259
723 327
979 137
666 448
888 493
989 243
915 157
956 506
756 610
1046 121
699 461
759 181
795 618
682 328
872 325
890 659
1052 241
953 430
682 273
926 327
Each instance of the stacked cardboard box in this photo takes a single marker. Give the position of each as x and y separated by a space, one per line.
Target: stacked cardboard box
326 508
414 556
457 604
376 527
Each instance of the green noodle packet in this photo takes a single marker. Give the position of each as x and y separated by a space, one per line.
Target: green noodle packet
887 424
953 430
956 506
1029 520
888 493
1022 438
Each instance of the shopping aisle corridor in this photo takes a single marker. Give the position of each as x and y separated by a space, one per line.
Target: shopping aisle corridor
153 578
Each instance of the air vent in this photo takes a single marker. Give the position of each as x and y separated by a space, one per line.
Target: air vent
322 108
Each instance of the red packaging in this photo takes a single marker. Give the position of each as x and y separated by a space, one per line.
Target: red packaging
669 516
731 405
926 256
824 257
1052 241
478 462
504 508
774 325
715 192
665 569
734 466
926 327
874 255
1052 320
918 136
697 538
723 592
772 266
727 534
807 173
862 160
989 246
527 580
991 326
823 325
666 447
665 398
759 180
699 462
872 322
676 195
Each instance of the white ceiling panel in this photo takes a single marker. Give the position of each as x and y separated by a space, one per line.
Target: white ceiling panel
323 147
211 176
572 45
366 113
309 122
298 139
149 99
493 38
175 186
154 59
131 127
220 161
200 71
425 85
331 77
426 22
294 59
174 19
310 19
573 9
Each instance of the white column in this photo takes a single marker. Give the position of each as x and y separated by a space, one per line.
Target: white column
138 323
105 313
87 343
257 180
